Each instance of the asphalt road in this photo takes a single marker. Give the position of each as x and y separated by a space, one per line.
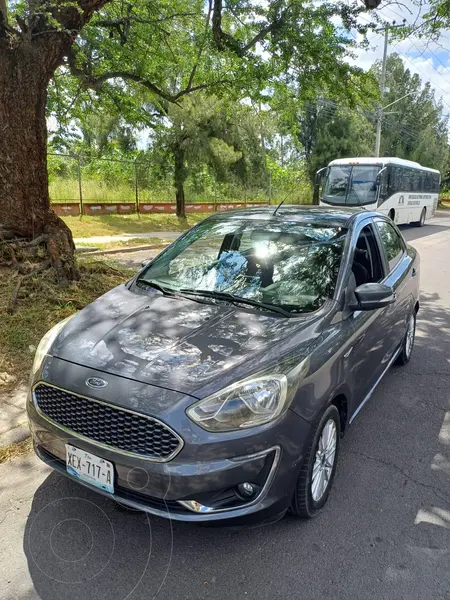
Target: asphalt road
385 533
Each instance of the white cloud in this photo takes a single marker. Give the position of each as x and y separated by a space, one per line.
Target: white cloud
430 60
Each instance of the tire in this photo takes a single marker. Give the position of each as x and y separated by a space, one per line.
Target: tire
407 346
304 504
421 221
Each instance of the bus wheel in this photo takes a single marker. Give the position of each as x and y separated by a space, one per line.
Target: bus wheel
421 221
392 215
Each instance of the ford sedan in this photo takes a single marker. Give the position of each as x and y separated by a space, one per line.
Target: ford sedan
217 383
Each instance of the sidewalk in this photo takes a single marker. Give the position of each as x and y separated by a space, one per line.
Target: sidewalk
106 239
13 416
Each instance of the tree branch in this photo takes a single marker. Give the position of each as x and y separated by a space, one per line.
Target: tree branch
3 14
94 82
203 86
70 17
225 40
194 68
132 18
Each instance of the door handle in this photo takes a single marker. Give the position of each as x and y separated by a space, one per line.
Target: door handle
414 272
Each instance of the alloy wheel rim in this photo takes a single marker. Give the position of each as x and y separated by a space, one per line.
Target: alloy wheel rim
422 217
324 460
410 336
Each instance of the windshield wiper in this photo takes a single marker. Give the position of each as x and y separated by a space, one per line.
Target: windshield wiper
157 286
237 300
172 293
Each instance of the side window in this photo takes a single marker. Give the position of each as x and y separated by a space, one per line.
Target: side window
367 265
385 184
401 179
422 181
409 185
427 182
436 180
417 181
392 242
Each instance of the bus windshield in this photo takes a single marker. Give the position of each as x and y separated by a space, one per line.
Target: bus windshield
351 185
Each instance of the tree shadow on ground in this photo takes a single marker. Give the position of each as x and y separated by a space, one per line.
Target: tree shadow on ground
385 532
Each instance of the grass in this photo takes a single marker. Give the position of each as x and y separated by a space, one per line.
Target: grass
129 243
66 190
119 224
40 305
14 450
444 204
96 190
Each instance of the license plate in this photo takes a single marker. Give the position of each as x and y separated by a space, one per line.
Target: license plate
90 468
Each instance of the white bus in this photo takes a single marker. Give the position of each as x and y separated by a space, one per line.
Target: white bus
401 189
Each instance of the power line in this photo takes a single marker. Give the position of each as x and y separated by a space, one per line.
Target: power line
436 57
425 75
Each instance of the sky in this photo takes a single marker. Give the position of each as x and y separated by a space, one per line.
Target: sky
430 60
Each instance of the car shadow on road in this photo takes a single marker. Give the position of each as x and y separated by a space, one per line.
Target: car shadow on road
385 532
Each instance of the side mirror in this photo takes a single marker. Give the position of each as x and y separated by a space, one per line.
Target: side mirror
371 296
145 262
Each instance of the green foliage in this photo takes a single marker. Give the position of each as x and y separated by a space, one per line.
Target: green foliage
417 129
328 132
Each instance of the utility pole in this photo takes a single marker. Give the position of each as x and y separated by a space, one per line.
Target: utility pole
380 113
382 81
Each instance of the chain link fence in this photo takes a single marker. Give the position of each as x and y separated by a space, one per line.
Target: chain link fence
91 185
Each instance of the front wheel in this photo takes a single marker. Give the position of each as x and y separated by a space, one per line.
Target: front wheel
408 342
319 467
421 221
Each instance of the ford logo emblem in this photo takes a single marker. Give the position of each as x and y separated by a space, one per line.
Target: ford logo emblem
96 382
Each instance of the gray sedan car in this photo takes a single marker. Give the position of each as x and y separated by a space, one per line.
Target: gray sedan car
217 383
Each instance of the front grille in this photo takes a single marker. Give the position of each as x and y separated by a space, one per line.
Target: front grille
107 424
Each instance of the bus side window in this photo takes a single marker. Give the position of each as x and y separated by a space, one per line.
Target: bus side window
418 181
385 184
395 180
427 182
435 187
401 179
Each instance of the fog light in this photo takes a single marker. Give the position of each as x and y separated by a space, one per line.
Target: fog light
246 490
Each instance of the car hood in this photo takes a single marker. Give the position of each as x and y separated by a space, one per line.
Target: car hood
177 343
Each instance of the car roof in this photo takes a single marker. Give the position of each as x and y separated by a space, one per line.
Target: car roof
314 215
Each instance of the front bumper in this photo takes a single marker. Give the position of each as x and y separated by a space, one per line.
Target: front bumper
189 487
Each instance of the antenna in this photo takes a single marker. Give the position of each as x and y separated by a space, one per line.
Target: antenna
279 206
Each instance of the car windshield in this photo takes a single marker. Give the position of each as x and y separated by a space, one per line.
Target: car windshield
351 185
291 266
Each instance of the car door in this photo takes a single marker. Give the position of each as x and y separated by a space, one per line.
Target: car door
398 276
367 361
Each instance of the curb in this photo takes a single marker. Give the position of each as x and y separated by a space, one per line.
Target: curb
124 250
14 436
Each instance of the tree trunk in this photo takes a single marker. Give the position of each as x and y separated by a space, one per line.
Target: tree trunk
25 71
180 175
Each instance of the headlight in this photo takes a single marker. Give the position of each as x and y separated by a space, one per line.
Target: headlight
46 343
245 404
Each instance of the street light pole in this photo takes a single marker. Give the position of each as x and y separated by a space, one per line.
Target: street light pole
382 81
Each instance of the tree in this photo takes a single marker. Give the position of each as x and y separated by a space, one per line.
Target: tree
328 131
206 130
417 129
29 56
39 37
